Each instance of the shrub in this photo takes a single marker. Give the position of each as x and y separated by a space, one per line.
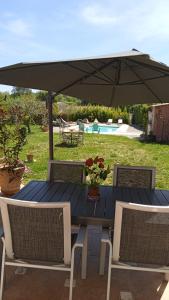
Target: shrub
91 112
12 140
140 115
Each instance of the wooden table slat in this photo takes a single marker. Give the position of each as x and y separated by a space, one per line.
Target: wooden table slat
85 212
26 191
40 192
166 195
55 192
160 198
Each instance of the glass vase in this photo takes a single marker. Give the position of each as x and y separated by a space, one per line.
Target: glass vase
93 193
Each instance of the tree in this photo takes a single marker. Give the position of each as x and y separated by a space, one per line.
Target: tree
18 91
41 95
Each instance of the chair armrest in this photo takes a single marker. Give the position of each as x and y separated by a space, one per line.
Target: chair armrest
105 237
105 241
81 237
81 242
1 232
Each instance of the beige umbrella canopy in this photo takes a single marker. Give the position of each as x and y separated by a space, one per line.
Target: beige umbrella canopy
120 79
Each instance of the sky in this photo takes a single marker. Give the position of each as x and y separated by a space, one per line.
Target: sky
38 30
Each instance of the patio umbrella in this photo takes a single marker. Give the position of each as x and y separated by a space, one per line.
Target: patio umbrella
120 79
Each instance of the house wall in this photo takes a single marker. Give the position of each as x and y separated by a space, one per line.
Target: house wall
160 122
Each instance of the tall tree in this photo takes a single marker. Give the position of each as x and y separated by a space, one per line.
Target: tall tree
18 91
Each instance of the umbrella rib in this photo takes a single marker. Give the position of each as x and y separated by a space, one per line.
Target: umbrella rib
136 82
93 83
101 72
139 82
154 68
84 77
117 79
79 69
144 82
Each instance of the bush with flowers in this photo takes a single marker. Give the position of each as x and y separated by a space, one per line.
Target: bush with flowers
12 140
96 171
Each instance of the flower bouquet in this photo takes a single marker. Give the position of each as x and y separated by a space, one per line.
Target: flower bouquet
96 173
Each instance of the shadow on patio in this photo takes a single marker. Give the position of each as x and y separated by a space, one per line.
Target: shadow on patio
45 285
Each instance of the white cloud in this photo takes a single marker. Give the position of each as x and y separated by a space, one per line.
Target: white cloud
147 19
5 88
97 14
18 27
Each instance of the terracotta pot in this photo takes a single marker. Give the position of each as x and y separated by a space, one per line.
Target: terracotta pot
29 157
10 180
93 193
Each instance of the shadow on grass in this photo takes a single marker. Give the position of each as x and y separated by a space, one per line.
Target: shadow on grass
64 145
151 140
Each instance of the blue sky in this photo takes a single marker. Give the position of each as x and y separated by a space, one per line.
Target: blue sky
37 30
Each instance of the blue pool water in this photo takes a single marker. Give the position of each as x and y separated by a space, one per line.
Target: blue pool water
103 128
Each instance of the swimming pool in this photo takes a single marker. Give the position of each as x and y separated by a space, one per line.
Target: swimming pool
102 129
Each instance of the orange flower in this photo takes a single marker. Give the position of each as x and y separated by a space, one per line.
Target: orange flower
101 160
96 171
96 160
101 165
89 162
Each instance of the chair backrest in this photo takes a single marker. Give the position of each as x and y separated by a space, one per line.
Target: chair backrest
57 121
79 121
141 234
64 123
95 127
66 171
37 231
81 127
138 177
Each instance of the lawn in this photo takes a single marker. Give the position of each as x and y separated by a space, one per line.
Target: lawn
114 149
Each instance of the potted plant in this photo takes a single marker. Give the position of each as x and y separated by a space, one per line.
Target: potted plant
12 140
96 173
29 157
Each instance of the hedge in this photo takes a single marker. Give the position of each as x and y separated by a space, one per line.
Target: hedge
91 112
140 115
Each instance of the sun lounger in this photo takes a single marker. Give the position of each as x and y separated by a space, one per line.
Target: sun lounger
120 121
110 122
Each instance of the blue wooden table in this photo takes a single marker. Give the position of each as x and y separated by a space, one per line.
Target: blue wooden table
83 211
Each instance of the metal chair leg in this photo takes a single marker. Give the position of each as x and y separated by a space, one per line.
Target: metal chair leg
108 282
2 270
102 258
84 258
71 274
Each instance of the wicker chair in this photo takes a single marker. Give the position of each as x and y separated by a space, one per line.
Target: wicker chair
38 235
66 171
1 234
138 177
95 128
140 241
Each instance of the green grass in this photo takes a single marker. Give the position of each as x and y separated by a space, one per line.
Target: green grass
113 148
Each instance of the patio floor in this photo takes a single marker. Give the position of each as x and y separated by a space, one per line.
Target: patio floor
49 285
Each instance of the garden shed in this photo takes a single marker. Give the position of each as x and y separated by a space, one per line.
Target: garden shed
159 122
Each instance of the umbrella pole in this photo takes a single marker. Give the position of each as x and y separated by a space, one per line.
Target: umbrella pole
50 121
